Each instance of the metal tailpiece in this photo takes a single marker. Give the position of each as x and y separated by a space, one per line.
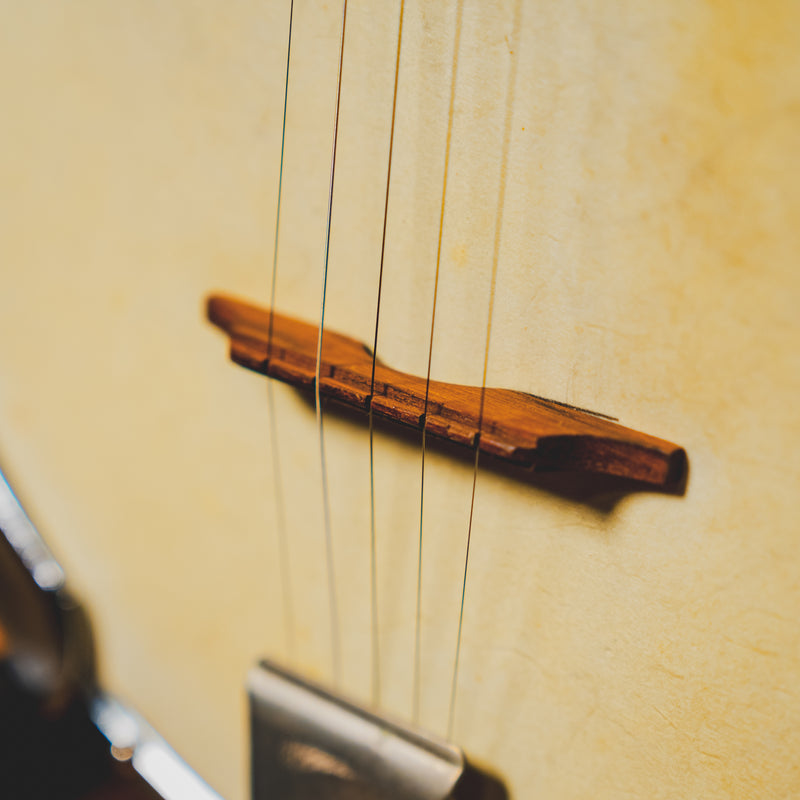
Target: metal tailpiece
309 743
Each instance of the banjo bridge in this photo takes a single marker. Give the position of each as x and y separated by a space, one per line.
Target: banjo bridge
522 429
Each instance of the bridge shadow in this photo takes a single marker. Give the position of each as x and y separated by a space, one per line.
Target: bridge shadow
597 491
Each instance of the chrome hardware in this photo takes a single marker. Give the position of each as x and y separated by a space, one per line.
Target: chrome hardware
309 743
52 655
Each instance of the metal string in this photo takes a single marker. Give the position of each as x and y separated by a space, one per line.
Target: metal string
280 511
336 656
376 672
512 77
450 115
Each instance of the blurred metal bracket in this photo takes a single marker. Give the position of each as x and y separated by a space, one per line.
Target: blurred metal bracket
51 647
51 654
308 743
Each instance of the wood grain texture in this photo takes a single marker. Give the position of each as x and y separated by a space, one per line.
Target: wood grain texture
521 428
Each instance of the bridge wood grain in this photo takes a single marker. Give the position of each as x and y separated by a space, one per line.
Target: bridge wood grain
520 428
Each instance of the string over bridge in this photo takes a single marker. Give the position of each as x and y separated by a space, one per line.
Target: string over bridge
519 428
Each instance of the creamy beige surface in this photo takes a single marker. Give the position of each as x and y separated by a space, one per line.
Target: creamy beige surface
646 256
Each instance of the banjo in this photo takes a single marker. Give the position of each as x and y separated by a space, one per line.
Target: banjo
600 201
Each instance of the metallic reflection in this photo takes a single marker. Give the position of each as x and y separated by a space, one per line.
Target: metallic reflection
51 654
309 743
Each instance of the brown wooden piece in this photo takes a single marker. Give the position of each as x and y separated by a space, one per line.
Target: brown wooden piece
520 428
